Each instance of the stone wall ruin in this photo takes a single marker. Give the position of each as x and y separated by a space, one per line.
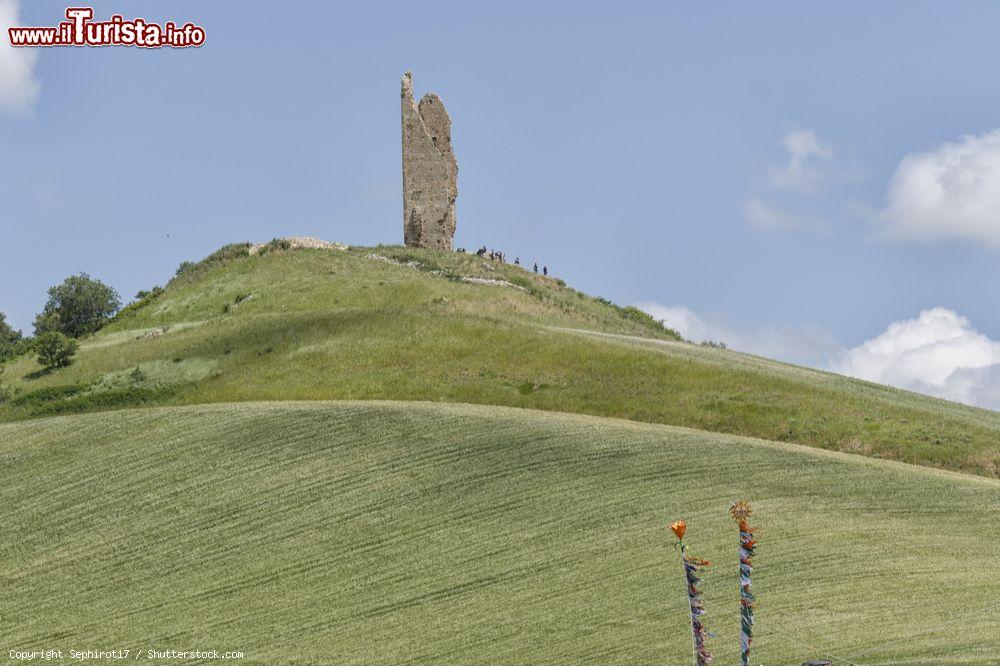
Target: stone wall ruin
430 171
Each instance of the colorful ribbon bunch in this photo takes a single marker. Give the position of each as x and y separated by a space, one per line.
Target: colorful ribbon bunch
741 512
692 566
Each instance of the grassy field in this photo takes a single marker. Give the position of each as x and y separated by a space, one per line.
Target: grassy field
395 323
409 532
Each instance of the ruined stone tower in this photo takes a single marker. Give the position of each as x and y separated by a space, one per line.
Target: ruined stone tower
430 172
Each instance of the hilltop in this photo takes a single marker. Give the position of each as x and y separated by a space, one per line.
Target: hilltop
320 454
406 324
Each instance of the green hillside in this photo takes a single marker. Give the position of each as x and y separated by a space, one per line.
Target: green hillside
242 509
398 533
403 324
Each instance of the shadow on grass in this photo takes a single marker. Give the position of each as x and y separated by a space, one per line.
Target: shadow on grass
40 373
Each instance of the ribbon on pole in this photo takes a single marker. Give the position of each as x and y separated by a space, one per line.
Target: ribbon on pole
741 512
692 567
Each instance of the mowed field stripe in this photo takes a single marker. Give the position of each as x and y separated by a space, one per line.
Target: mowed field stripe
402 532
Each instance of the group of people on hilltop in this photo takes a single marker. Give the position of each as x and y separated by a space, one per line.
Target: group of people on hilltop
500 256
495 255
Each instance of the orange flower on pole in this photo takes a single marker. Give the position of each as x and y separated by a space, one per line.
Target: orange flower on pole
692 569
679 527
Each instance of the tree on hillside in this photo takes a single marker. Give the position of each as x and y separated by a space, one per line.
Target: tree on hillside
55 350
78 306
9 339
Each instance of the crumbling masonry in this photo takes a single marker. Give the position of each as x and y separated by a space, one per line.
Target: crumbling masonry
430 172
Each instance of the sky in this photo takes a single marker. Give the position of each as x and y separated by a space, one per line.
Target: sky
818 183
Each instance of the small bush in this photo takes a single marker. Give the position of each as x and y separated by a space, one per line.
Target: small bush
143 299
238 300
276 245
10 338
6 393
647 320
13 350
47 395
55 350
713 343
149 294
528 285
77 398
189 271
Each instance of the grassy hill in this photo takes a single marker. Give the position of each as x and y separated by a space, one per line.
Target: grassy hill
404 324
463 529
396 533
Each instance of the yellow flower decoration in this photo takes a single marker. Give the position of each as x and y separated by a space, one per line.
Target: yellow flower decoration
679 528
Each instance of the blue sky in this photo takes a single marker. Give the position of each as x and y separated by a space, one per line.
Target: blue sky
789 177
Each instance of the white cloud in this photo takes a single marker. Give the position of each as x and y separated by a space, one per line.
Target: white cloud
937 353
951 192
803 172
765 217
808 346
18 85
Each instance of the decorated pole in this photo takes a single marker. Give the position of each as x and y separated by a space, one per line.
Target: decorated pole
741 512
692 566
